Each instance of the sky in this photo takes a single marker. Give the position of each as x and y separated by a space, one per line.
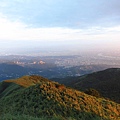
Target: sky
59 25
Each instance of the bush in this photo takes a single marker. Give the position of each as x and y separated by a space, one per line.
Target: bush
93 92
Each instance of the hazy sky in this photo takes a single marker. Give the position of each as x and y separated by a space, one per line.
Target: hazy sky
67 23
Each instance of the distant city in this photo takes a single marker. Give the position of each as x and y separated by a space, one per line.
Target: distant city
110 59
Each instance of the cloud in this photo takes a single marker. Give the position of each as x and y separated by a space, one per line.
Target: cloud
51 23
60 13
9 29
17 30
16 35
112 7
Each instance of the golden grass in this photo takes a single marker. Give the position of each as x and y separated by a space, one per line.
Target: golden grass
27 81
71 98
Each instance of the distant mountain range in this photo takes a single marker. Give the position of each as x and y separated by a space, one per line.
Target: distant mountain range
35 98
107 82
12 71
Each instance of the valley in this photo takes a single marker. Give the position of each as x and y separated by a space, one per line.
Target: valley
15 66
53 88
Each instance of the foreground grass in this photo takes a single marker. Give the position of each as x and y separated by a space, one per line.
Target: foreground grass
9 116
41 98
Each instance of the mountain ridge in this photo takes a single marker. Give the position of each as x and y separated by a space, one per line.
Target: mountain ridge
107 82
48 98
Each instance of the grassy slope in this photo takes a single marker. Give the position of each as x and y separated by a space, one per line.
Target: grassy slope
107 82
41 97
8 88
27 81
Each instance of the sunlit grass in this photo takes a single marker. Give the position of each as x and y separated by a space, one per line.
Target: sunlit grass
42 97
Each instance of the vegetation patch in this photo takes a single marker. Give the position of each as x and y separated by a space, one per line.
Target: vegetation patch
51 99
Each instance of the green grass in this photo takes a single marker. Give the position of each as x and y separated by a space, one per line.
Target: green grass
9 116
107 82
46 99
8 88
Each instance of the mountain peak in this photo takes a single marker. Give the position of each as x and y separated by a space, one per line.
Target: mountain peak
27 81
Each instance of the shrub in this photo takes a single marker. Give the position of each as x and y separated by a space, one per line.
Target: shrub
93 92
